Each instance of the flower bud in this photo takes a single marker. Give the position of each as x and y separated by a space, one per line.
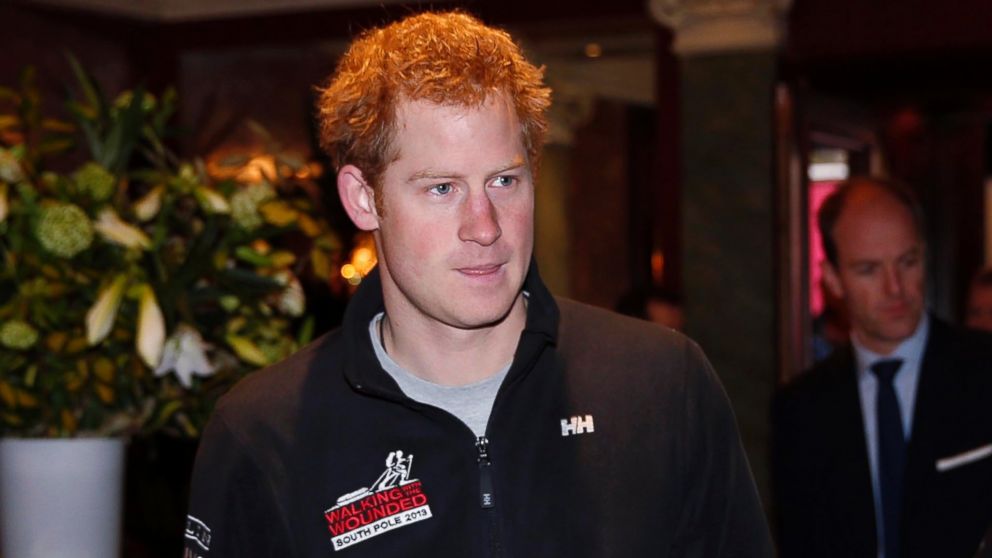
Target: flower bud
115 230
149 205
100 317
151 329
211 200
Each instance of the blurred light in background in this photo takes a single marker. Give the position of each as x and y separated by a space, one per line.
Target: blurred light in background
594 50
828 164
361 261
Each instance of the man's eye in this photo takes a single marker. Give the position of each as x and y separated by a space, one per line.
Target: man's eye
441 189
504 181
864 269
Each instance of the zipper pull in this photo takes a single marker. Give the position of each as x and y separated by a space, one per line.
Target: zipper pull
485 473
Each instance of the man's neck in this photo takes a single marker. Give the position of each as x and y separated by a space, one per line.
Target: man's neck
885 347
448 355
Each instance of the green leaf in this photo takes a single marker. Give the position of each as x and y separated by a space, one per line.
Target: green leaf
246 254
248 283
89 130
125 130
167 107
247 350
165 413
90 89
306 331
150 176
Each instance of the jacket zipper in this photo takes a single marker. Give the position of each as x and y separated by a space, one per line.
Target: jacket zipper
486 498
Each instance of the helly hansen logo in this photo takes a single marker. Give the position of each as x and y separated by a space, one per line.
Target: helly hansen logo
577 425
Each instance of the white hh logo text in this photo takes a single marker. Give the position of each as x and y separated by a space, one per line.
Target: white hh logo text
577 425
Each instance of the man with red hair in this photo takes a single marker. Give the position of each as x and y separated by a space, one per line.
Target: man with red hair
461 410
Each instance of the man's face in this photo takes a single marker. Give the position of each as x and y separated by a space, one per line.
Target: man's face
456 232
980 308
880 269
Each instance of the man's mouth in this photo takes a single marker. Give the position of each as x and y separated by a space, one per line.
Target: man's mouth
480 270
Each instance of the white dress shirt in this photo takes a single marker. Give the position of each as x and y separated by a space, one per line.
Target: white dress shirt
910 351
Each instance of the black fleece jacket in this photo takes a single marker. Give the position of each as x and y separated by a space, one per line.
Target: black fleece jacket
609 437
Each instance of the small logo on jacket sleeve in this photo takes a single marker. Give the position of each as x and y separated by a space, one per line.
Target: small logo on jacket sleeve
577 425
394 500
196 532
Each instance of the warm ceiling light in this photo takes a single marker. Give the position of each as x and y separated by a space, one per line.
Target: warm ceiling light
594 50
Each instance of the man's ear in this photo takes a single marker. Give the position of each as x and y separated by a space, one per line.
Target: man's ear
832 279
357 198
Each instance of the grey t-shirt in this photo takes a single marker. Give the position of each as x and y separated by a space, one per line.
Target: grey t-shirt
470 403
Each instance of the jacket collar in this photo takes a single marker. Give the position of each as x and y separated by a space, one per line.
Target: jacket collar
363 372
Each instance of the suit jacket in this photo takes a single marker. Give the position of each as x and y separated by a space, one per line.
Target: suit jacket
820 473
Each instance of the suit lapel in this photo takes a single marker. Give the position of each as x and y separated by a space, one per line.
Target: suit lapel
931 401
853 481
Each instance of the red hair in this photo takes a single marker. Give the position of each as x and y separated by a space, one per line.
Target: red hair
445 58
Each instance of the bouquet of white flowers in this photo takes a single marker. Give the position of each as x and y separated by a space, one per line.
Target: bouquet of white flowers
136 288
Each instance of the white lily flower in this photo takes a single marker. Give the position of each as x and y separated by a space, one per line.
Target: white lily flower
151 329
212 201
4 206
292 301
149 205
115 230
100 317
186 354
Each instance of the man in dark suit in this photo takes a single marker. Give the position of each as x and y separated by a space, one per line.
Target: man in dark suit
885 448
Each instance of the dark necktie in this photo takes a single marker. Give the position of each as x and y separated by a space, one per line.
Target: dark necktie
891 453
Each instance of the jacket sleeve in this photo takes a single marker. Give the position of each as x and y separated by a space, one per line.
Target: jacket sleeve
722 514
793 478
232 510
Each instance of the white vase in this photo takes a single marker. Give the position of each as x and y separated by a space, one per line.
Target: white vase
61 498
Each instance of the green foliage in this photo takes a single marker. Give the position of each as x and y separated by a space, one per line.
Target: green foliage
137 288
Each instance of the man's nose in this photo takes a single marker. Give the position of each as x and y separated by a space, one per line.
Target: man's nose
480 220
894 282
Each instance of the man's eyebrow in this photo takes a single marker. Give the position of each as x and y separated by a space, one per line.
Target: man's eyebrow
863 261
914 251
433 174
440 174
513 165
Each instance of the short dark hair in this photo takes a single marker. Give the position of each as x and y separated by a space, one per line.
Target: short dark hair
834 205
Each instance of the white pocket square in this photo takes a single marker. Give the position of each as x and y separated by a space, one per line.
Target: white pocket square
964 458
